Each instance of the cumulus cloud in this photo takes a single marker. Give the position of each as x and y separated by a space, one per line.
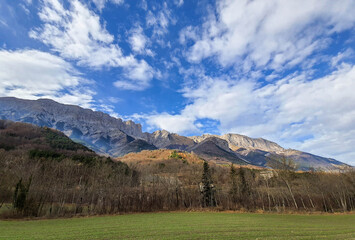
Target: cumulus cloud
77 34
174 123
33 74
268 33
315 115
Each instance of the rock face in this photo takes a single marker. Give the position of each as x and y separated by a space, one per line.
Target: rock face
113 136
214 148
97 130
258 151
165 139
236 141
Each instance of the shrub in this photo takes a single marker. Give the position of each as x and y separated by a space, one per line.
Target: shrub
174 154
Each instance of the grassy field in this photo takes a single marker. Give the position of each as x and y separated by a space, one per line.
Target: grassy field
179 225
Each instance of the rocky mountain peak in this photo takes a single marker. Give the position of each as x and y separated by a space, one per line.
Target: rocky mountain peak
237 140
161 133
223 144
216 149
165 139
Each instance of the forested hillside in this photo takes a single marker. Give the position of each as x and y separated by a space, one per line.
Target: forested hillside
45 174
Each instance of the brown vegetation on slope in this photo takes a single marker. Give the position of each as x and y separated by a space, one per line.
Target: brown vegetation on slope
60 178
147 157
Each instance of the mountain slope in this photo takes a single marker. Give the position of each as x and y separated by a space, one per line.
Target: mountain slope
216 149
304 161
115 137
43 172
165 139
40 142
136 145
257 151
97 130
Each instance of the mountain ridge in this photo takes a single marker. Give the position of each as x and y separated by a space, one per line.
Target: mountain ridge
239 140
113 136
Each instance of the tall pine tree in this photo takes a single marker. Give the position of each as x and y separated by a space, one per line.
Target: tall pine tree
233 191
207 187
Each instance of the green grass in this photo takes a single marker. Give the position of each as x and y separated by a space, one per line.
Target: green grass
205 225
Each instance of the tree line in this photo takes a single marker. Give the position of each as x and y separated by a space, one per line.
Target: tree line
43 185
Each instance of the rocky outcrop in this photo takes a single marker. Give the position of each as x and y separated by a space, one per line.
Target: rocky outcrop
236 141
46 112
165 139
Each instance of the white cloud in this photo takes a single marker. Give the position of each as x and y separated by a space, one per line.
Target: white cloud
317 115
179 3
348 53
107 108
188 33
114 99
174 123
137 39
32 74
139 75
77 34
100 4
269 33
160 21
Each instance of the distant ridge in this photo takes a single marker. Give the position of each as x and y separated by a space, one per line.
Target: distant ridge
237 140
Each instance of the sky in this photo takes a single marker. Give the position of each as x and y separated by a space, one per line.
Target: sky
276 69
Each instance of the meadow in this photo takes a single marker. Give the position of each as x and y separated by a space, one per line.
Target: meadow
186 225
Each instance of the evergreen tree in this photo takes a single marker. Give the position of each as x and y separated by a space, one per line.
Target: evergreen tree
234 184
245 188
207 187
20 195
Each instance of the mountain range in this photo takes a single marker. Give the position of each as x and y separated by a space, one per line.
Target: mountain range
114 137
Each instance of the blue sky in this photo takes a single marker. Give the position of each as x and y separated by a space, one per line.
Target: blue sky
281 70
